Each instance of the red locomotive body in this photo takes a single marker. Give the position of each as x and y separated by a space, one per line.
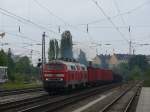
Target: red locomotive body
61 74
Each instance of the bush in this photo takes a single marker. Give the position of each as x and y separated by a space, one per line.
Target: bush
135 74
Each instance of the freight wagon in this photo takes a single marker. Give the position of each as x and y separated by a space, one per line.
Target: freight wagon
97 76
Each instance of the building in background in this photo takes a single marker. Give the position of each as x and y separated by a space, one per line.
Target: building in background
110 61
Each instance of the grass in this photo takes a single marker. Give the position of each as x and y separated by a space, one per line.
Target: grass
16 85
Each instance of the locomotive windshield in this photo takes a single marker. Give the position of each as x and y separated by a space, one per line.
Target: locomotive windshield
55 67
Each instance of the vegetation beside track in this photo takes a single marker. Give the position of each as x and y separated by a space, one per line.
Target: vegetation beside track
137 68
18 85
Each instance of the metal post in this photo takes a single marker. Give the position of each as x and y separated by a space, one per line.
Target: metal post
43 51
130 42
130 47
54 49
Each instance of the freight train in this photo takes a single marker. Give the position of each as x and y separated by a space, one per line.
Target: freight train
59 74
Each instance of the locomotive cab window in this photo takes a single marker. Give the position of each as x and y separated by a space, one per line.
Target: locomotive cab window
55 67
83 68
73 67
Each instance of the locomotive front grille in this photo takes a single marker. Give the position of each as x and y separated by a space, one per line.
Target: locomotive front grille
54 75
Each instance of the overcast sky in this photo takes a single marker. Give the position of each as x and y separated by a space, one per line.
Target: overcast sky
74 15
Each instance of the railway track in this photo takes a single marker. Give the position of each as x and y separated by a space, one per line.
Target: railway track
51 103
123 102
13 106
58 103
20 91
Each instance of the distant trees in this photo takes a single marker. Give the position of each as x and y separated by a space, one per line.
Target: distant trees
3 58
139 61
82 58
23 65
138 65
135 69
10 65
123 69
136 74
53 50
66 45
25 70
20 69
65 50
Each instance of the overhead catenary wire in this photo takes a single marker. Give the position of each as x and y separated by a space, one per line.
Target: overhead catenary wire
84 29
108 18
118 10
22 47
24 20
121 13
120 27
22 36
59 18
50 12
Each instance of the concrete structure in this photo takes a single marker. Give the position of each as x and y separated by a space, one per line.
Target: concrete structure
144 100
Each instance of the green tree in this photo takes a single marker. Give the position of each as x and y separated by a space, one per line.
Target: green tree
123 69
66 45
3 58
56 49
139 61
23 65
10 65
82 58
135 74
53 51
18 70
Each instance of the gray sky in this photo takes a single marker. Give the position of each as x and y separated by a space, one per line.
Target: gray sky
73 15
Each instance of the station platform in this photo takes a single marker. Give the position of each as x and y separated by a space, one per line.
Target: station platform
144 100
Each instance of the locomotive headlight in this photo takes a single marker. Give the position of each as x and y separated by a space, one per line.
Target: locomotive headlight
61 79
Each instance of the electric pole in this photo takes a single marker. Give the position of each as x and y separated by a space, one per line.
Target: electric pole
130 47
43 50
31 53
130 42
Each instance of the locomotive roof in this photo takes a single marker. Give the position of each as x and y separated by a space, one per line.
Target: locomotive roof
65 62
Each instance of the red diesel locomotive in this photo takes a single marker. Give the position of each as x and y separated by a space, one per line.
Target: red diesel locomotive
59 74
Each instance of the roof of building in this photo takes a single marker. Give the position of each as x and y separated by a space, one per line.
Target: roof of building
118 56
104 57
123 56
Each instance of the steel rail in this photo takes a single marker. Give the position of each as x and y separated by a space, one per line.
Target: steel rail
107 107
59 103
24 102
19 91
131 100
